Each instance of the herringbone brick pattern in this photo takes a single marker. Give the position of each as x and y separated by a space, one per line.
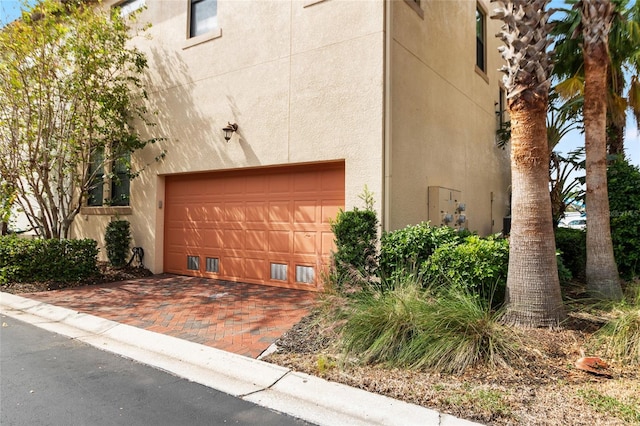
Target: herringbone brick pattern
235 317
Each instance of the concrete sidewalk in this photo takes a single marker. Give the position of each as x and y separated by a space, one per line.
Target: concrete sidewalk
306 397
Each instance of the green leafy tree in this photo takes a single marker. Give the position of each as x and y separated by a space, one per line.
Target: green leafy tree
70 88
533 296
7 198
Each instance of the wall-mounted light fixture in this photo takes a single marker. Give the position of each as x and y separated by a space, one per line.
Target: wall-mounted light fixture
228 130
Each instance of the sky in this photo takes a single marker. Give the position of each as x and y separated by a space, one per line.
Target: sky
10 10
575 139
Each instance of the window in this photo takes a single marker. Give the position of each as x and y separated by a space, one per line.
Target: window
203 17
127 7
111 186
480 40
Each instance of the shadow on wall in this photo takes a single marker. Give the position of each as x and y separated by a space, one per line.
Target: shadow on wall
191 122
191 118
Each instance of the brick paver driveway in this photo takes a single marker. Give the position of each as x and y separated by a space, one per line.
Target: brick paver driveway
235 317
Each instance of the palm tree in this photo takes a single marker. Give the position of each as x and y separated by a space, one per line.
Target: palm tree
624 58
533 291
601 271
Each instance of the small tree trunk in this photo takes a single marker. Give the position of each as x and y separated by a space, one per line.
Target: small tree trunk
601 271
533 289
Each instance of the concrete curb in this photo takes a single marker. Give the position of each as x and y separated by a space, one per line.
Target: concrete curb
303 396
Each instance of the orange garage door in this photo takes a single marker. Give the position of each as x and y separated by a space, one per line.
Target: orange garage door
265 226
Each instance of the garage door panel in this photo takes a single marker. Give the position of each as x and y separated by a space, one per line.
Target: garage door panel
255 269
256 240
304 243
256 212
256 185
279 212
249 225
233 239
234 212
279 241
330 209
215 212
279 184
305 211
306 182
328 244
213 238
232 267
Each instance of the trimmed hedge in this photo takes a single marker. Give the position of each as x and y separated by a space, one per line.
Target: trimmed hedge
477 265
406 249
23 260
356 236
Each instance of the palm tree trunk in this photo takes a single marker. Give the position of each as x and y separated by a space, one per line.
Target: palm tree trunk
533 289
602 272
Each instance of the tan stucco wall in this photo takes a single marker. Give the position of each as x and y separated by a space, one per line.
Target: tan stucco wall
303 81
443 117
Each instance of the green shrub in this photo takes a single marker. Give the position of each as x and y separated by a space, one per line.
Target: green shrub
572 245
438 329
406 249
356 236
118 239
478 265
564 274
23 260
624 204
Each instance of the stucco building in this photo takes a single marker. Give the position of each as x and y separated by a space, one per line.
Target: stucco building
328 96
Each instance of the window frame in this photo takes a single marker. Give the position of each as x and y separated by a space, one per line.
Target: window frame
107 181
194 40
123 12
481 43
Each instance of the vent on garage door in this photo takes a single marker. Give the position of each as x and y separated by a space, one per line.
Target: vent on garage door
279 271
304 274
213 263
193 263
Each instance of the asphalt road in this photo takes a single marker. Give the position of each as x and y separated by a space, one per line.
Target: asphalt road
48 379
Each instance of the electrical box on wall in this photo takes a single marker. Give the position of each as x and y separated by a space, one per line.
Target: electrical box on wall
446 208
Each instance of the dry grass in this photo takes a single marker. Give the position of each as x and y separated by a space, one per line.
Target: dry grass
546 389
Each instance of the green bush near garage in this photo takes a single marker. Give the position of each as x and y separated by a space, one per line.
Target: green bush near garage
356 236
407 249
24 260
477 265
117 241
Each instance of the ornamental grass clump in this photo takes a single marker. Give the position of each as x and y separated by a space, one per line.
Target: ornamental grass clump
426 327
619 338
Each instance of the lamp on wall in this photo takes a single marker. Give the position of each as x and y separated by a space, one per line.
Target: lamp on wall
228 130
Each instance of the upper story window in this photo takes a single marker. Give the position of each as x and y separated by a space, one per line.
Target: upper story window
481 52
127 7
203 17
